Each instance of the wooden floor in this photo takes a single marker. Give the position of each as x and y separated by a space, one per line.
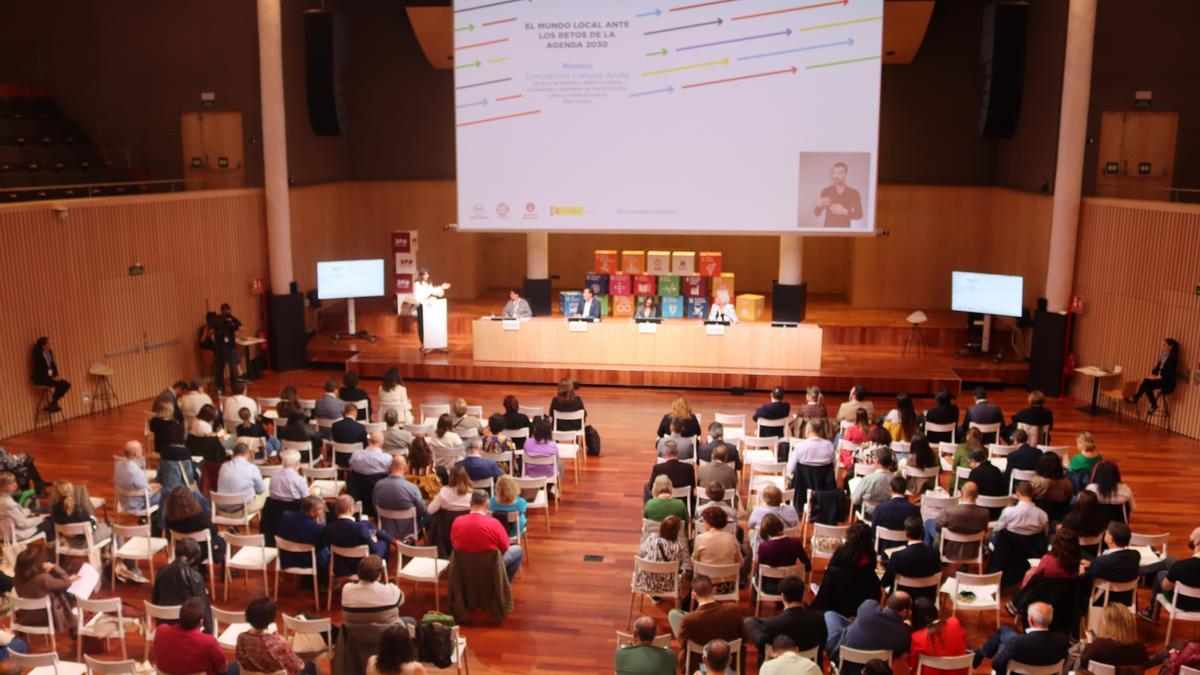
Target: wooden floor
567 609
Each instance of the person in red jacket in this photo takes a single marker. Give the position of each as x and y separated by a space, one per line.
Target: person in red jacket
478 531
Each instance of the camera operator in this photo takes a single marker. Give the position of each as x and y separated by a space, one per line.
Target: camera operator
224 335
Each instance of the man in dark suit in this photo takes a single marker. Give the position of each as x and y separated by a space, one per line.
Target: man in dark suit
346 532
352 393
46 373
304 527
775 410
1118 563
590 307
348 429
806 627
1162 376
172 394
982 412
985 475
1024 457
328 406
704 451
874 627
680 474
711 620
945 412
893 513
965 517
917 561
1037 646
1036 415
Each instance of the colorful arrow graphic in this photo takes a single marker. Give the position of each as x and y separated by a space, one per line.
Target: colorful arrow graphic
481 44
482 102
475 64
839 63
722 62
831 3
701 4
657 12
490 4
665 90
497 23
840 23
718 22
497 119
661 52
469 27
509 98
848 42
787 32
501 59
480 84
791 70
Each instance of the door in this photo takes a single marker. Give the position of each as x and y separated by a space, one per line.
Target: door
1137 155
213 158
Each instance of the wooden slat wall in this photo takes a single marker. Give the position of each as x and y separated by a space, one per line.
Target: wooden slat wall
1137 268
68 279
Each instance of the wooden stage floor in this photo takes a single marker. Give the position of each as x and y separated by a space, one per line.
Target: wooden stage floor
860 346
567 608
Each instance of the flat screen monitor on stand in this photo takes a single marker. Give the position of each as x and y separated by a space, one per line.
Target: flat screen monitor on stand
987 294
347 280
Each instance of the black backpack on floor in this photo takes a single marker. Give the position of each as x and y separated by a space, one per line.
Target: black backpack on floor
592 438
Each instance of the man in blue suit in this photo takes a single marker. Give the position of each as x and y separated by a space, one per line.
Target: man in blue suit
590 308
892 513
304 527
1025 457
346 532
916 561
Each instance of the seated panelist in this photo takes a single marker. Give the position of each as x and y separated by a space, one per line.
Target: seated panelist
590 308
722 308
517 307
646 310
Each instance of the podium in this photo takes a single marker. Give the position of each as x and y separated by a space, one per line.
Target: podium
433 317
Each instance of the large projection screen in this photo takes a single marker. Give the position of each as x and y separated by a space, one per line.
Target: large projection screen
338 279
730 116
979 293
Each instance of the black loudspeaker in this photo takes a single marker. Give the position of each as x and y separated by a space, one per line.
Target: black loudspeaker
323 72
788 302
1046 357
286 333
1003 59
537 292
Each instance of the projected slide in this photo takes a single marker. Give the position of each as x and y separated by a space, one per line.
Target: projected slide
349 279
740 116
986 293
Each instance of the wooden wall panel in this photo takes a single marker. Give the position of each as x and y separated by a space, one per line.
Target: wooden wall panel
68 279
1137 270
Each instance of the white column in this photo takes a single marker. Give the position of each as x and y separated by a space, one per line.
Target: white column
1072 136
274 145
791 259
537 255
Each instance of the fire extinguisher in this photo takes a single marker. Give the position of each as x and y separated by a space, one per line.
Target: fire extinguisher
1069 365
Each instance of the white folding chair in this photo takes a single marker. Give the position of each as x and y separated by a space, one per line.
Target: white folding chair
1188 670
735 655
152 614
825 540
933 503
344 450
34 604
125 667
1102 592
231 510
904 583
1155 544
286 546
1019 668
322 628
948 428
550 480
639 590
419 429
570 451
541 501
1170 605
86 625
133 542
932 472
475 411
734 425
945 663
576 416
779 423
45 664
458 657
400 515
304 448
768 572
986 429
372 427
350 553
1037 435
946 450
252 554
1097 668
531 411
979 538
203 539
424 566
961 474
521 538
897 537
985 589
990 502
516 433
62 544
307 405
661 641
996 450
325 479
144 493
862 656
1019 475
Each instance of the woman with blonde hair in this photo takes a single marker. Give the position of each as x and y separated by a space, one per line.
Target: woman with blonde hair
680 410
72 504
1114 640
508 499
662 503
1080 468
456 496
464 422
394 396
723 308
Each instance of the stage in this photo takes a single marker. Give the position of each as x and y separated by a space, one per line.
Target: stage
858 346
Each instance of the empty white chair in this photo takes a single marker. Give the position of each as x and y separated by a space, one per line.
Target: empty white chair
423 566
252 553
974 592
569 451
310 571
550 480
45 664
321 628
89 613
133 542
125 667
944 663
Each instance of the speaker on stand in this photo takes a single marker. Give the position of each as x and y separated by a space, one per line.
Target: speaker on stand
1003 58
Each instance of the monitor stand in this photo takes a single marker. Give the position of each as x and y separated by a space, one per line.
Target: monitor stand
352 332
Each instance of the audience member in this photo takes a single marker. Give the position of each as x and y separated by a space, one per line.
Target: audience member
35 578
287 488
239 476
685 444
1080 468
263 650
478 531
179 581
1117 564
1036 415
72 504
964 518
902 421
1020 534
985 475
182 649
850 576
172 395
680 474
943 412
447 446
716 657
718 470
665 545
352 393
922 457
465 423
1115 497
873 628
805 627
859 428
297 431
304 527
20 522
1052 491
679 410
973 440
776 549
205 420
456 495
934 637
1114 640
1025 457
421 470
566 400
772 503
367 467
811 409
1186 572
710 620
775 409
705 451
396 439
165 414
397 654
663 502
917 560
848 411
874 488
1085 516
348 430
1060 562
811 462
128 474
368 595
1037 646
895 512
191 402
396 493
328 406
184 514
716 546
495 441
347 532
540 444
507 499
394 396
515 419
232 406
983 412
785 659
642 657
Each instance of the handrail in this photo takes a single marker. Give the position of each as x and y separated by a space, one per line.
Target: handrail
171 182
